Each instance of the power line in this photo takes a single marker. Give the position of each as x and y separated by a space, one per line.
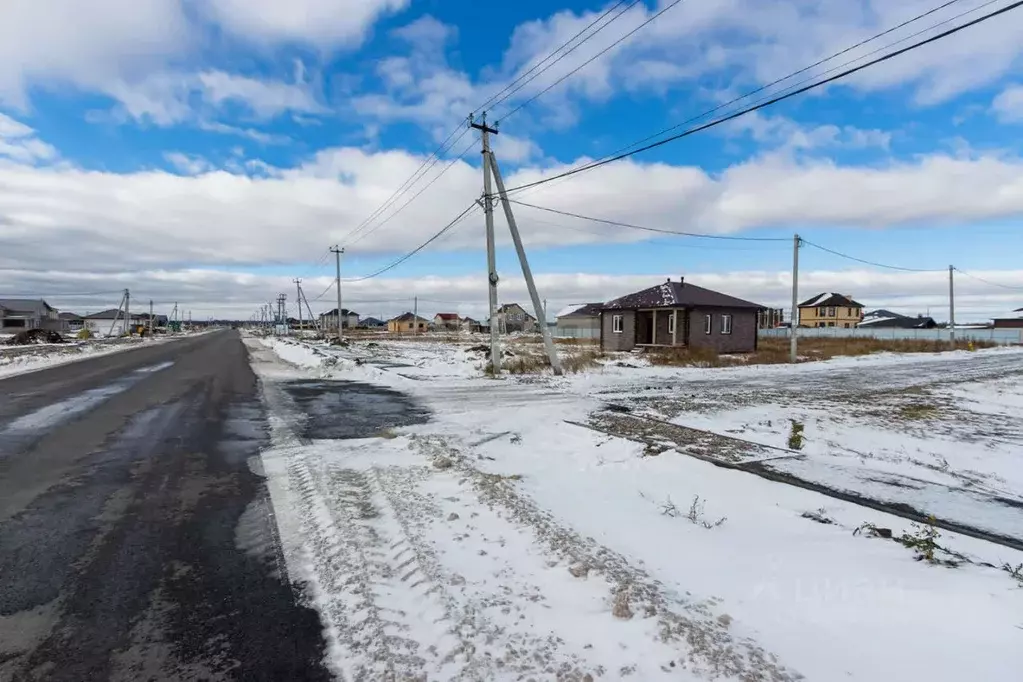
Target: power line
431 160
865 262
594 57
495 101
818 63
419 248
769 102
416 195
652 229
985 281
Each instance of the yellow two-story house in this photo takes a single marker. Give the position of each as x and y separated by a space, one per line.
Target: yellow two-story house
830 310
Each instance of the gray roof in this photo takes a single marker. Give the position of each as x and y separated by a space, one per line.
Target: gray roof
588 310
69 316
106 314
678 295
34 305
886 319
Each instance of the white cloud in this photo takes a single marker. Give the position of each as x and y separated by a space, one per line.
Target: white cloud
19 143
782 132
280 215
740 43
1008 105
187 164
88 44
250 133
326 24
264 98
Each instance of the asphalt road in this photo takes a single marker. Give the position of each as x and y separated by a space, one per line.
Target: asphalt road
137 539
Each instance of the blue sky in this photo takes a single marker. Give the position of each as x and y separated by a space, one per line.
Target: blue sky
210 152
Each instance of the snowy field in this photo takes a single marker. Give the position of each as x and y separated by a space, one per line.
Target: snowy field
519 528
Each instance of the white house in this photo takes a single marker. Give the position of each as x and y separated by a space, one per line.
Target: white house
106 323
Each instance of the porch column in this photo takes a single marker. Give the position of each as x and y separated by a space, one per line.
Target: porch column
674 327
653 332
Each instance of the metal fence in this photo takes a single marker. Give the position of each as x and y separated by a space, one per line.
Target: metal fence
575 333
1003 337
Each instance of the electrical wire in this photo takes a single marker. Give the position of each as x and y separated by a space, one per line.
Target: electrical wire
865 262
524 79
494 99
461 216
593 58
771 101
414 196
985 281
650 229
819 63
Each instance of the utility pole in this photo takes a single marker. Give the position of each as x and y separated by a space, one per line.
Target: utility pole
298 303
488 212
794 327
415 316
337 261
951 307
127 312
150 318
117 315
538 307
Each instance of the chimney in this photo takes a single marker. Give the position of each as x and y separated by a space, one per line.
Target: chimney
669 281
682 281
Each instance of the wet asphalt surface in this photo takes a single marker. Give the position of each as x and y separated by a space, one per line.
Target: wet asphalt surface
137 539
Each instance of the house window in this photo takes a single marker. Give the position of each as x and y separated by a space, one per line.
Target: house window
822 324
821 312
849 312
831 311
831 324
726 324
616 324
846 325
708 324
671 323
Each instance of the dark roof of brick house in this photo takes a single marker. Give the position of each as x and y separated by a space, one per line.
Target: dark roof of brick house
452 317
830 299
886 319
677 295
512 308
588 310
107 314
333 312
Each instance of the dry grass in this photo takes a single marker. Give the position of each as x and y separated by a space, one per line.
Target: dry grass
537 362
776 351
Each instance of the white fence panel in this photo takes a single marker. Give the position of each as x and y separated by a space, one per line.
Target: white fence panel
1000 336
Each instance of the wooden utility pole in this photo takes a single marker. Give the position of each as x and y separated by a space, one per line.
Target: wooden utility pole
794 327
488 212
150 318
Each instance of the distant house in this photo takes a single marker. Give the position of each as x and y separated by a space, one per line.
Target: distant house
19 314
329 319
511 317
830 310
446 321
467 324
371 323
1012 320
770 318
886 319
682 315
71 322
580 322
107 323
407 323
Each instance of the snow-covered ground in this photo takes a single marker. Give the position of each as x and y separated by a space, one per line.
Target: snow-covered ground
506 538
22 359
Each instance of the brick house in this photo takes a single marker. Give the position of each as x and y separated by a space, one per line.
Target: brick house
511 317
446 321
830 310
680 315
407 323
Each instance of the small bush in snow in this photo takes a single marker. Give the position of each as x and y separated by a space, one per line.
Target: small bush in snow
1015 572
796 435
924 540
820 516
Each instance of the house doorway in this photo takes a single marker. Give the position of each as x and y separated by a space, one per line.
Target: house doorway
644 327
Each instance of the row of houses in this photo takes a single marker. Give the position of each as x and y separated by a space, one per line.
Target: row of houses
511 317
23 314
838 310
